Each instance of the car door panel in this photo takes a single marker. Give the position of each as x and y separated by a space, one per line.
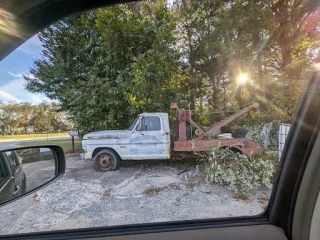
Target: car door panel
261 232
299 144
251 232
307 207
7 189
16 169
7 184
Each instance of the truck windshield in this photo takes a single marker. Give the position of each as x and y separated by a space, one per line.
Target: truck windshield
133 124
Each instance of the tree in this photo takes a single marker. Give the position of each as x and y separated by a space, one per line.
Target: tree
103 61
21 117
9 117
219 45
292 49
274 42
107 65
25 112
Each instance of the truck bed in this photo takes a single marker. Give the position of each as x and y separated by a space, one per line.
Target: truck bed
243 145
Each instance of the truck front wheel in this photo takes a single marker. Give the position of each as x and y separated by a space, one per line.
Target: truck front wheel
106 160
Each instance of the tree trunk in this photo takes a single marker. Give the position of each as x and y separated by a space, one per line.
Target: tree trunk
286 54
214 97
262 82
239 97
224 95
192 99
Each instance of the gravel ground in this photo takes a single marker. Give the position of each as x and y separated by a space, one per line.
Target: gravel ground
139 192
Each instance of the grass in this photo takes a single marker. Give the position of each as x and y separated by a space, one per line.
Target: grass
65 144
264 202
145 166
190 185
33 136
243 197
107 193
152 191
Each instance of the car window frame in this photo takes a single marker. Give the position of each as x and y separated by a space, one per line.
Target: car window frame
307 112
14 162
134 123
49 12
18 159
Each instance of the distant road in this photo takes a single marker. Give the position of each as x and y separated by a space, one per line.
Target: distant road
5 144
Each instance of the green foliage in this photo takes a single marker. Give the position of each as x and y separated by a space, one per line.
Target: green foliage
25 118
274 42
65 144
240 173
110 64
106 66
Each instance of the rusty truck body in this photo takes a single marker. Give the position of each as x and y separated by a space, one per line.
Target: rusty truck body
149 138
205 141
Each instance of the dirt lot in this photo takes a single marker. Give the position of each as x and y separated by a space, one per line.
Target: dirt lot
138 192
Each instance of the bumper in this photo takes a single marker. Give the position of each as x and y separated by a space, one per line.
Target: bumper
87 154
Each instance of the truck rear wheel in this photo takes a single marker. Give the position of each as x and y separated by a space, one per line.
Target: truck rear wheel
106 160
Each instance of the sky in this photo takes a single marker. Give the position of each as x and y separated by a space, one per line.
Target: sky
11 69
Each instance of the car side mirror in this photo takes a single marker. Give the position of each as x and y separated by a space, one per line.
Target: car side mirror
26 169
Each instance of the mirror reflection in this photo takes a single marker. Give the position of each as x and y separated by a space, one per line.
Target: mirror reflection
23 170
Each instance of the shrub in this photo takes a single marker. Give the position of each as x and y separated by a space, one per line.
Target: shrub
239 172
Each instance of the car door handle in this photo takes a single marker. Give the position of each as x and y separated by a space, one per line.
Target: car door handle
16 190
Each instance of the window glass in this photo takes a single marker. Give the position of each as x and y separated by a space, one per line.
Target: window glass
133 124
4 171
12 158
149 124
225 78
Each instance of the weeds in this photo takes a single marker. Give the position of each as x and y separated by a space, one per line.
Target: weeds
243 197
174 186
153 191
264 202
239 172
190 185
145 166
107 193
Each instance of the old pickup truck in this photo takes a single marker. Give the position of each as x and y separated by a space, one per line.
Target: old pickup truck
149 138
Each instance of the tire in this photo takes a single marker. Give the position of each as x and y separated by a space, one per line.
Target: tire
225 129
241 133
106 160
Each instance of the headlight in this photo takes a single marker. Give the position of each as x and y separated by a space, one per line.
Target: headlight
93 137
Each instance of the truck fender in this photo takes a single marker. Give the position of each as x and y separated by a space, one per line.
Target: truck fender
96 150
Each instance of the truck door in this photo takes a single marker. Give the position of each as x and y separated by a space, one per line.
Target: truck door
149 140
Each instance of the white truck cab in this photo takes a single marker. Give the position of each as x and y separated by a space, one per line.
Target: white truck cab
148 137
